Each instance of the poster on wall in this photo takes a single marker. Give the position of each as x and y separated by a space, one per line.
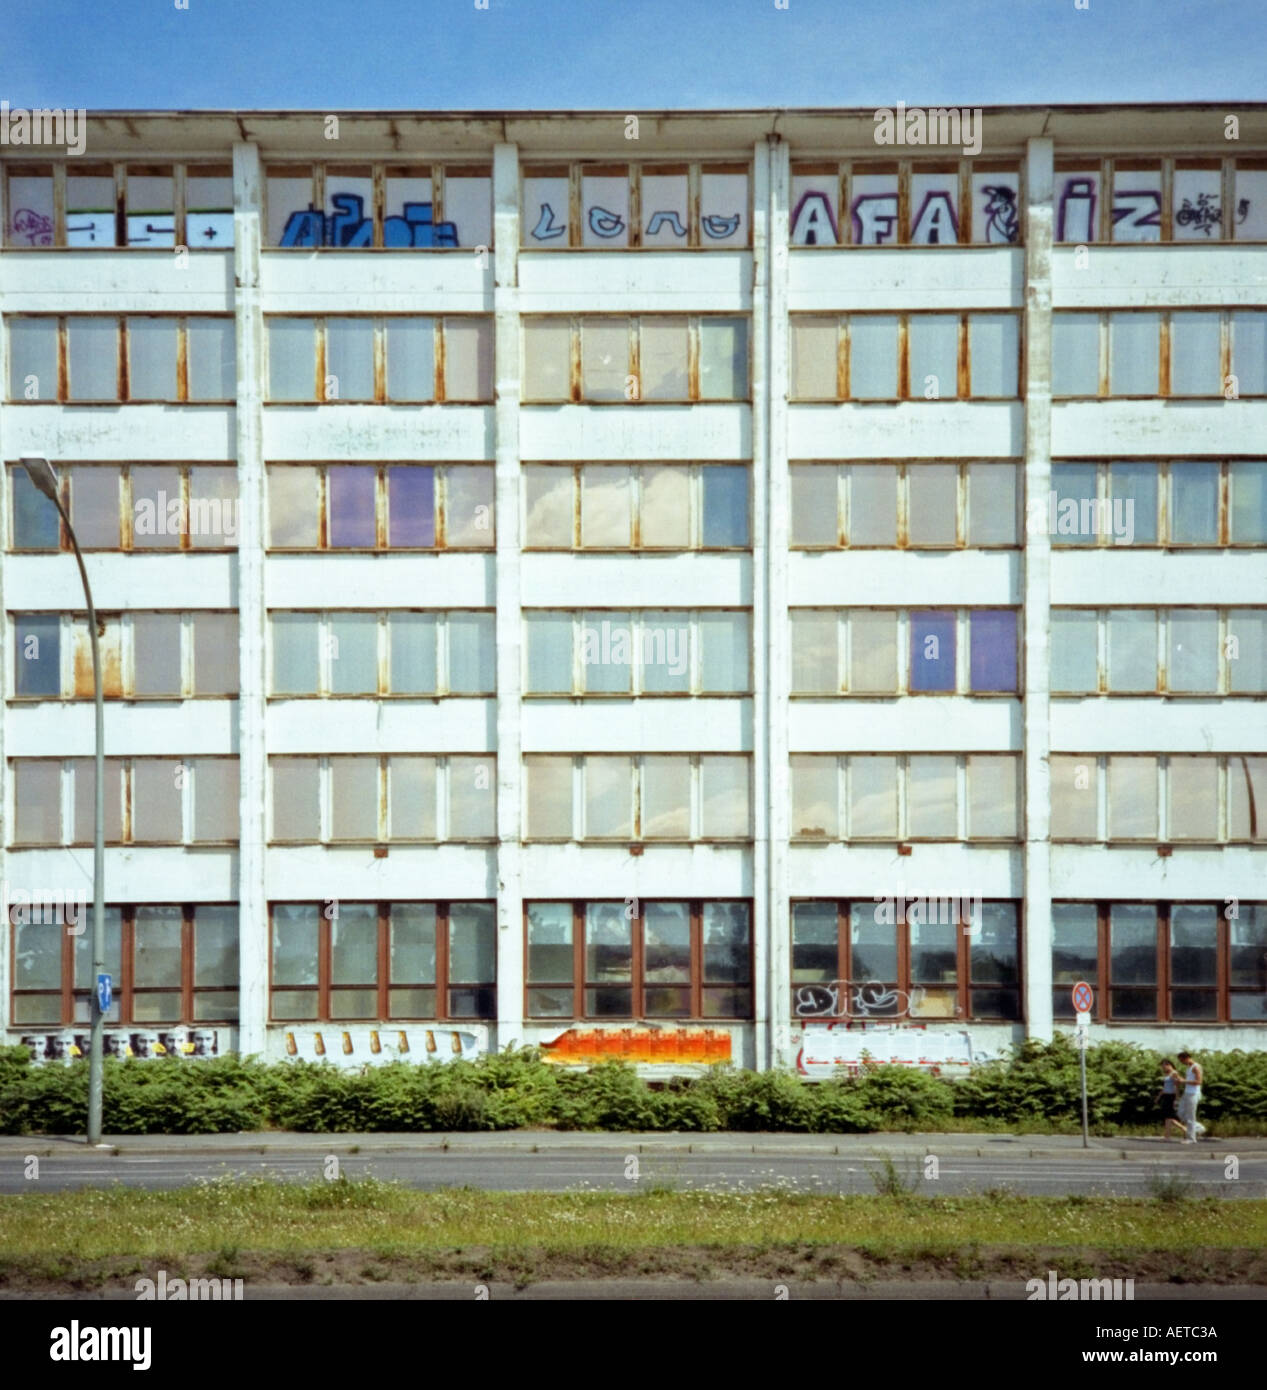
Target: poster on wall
826 1047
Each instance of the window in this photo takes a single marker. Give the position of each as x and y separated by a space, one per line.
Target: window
1207 798
1114 504
627 359
638 960
172 359
1213 964
167 655
422 653
856 203
378 359
409 506
379 962
909 505
682 205
189 205
182 965
653 652
373 798
856 796
424 206
1204 651
905 958
660 796
918 357
169 801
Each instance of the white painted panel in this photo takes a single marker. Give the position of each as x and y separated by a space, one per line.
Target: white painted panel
1167 275
941 723
661 871
567 432
376 282
1098 871
146 874
174 727
187 580
455 580
638 726
1112 725
906 278
1123 576
840 578
645 581
194 433
1118 428
561 282
871 871
309 873
367 433
382 726
907 429
100 282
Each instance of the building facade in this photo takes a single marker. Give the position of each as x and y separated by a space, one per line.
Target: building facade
653 585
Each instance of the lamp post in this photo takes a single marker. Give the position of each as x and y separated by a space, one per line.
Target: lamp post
41 474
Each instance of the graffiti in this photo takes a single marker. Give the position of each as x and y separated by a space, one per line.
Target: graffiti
1204 216
547 229
1001 224
694 1045
1136 210
674 223
348 226
90 227
1075 220
814 221
34 226
936 224
719 227
213 227
143 232
841 999
827 1047
874 218
605 224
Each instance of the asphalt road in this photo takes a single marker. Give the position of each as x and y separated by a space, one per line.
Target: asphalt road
608 1170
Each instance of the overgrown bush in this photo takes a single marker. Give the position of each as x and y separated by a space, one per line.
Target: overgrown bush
516 1089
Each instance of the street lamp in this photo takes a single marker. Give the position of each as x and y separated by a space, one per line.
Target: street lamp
41 474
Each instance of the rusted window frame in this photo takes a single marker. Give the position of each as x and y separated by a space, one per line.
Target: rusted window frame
638 983
325 654
385 983
902 760
125 989
1222 989
904 983
325 773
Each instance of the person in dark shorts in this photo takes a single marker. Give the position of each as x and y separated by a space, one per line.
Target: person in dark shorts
1167 1098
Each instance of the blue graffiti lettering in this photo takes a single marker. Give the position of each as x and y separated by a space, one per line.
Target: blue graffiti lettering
546 228
416 228
348 226
305 228
660 219
605 224
718 227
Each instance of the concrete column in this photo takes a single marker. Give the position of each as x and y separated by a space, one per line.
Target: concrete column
770 560
1036 950
252 752
510 952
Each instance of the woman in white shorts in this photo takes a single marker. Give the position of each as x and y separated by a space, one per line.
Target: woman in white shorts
1191 1098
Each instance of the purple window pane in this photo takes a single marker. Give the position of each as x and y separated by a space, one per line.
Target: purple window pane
993 650
411 507
932 650
351 506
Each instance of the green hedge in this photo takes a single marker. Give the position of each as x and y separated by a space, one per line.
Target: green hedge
516 1089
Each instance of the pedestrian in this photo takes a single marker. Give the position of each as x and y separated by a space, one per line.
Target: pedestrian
1167 1098
1191 1098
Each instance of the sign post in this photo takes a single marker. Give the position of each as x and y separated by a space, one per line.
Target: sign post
1083 998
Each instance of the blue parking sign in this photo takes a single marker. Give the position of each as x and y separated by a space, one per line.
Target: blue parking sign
104 996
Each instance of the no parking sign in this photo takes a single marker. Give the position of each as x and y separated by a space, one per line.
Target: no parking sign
1083 997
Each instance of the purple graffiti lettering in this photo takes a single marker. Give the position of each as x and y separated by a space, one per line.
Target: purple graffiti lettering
34 226
935 211
874 218
1000 211
1080 193
1137 208
811 218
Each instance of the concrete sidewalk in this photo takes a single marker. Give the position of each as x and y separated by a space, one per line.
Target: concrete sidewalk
552 1141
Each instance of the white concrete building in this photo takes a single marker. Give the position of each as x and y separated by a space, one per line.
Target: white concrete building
580 578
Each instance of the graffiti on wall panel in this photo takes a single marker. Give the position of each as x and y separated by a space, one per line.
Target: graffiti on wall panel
348 226
694 1045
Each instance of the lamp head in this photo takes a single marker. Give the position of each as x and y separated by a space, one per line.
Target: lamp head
40 472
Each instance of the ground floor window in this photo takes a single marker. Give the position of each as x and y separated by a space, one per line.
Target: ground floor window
169 963
639 959
1162 962
906 958
371 961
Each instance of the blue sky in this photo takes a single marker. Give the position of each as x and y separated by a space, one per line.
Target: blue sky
626 54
